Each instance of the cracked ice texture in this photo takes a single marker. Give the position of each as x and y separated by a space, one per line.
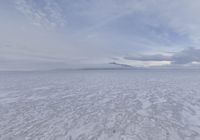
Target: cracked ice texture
100 105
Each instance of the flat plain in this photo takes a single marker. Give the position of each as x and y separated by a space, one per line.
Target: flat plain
100 105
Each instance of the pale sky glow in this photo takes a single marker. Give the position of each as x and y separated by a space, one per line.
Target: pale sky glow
68 33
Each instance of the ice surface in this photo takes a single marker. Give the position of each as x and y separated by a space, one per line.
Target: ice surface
100 105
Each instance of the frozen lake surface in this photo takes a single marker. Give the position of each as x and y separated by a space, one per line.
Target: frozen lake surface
100 105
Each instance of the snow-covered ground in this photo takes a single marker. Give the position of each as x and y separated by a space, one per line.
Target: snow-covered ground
100 105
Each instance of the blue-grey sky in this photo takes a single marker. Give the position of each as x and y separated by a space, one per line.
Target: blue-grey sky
68 33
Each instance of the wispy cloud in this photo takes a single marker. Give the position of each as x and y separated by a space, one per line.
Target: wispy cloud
46 13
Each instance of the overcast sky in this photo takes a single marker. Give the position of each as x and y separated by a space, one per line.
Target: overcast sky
64 33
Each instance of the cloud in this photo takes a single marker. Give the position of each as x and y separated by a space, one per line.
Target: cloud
186 56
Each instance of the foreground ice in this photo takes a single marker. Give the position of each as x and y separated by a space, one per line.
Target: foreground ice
100 105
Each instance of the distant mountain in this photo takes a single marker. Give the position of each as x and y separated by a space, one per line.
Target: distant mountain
122 65
109 66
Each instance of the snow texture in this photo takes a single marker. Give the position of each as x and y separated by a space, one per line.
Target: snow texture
100 105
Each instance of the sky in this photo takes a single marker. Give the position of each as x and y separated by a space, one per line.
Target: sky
50 34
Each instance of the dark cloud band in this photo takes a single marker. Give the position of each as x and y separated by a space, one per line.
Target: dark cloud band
183 57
